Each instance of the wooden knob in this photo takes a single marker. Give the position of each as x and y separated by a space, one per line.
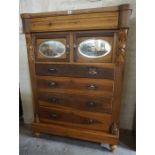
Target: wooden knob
53 100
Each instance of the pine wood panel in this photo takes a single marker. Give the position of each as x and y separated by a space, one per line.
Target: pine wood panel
73 22
81 11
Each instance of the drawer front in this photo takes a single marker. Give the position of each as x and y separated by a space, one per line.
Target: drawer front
75 70
81 84
75 22
76 102
75 119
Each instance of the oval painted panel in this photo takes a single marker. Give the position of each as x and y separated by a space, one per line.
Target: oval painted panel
52 49
94 48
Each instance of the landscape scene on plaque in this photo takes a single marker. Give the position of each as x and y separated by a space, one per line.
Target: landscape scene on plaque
52 49
94 48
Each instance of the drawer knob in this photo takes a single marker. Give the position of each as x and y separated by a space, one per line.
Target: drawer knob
52 70
92 71
91 104
53 100
52 84
54 116
92 86
90 121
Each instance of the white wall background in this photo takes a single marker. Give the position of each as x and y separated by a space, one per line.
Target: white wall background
129 90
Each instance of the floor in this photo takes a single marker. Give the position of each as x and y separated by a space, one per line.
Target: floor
55 145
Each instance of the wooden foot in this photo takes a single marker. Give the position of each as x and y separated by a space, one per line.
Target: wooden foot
37 134
113 147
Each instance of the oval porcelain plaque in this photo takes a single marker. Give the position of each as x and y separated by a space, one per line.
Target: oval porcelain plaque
94 48
52 49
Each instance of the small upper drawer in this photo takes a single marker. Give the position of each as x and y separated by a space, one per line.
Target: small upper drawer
82 21
91 71
52 46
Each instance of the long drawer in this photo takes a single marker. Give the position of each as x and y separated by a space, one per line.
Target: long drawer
71 70
75 119
76 102
75 21
82 84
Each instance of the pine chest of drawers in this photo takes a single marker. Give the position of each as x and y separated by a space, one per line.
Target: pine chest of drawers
76 61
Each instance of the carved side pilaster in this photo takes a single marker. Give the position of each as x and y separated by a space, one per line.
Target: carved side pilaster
122 38
30 52
28 40
30 48
114 129
36 118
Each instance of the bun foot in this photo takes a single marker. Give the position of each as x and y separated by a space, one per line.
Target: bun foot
37 134
112 147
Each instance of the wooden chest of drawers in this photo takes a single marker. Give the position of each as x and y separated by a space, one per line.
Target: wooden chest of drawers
76 61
